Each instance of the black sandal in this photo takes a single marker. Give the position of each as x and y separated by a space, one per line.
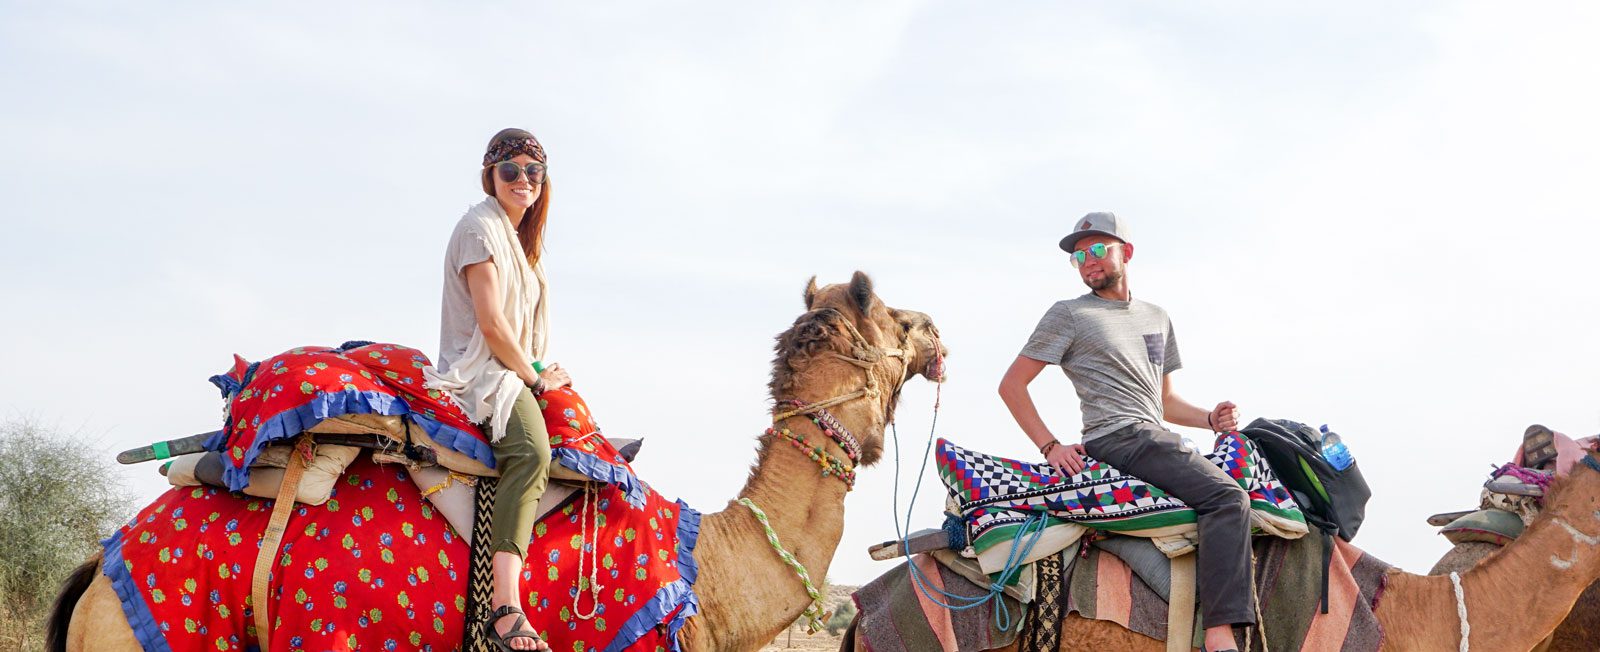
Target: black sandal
518 630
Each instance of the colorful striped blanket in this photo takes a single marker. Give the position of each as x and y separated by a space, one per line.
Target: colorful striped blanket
997 496
895 616
1288 576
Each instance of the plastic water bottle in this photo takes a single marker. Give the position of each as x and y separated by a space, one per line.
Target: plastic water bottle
1334 450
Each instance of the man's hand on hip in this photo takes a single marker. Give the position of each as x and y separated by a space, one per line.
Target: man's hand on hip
1068 459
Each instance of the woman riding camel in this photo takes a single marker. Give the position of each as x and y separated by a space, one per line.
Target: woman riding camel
493 334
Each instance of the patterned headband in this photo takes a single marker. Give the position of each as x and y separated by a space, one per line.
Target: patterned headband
510 147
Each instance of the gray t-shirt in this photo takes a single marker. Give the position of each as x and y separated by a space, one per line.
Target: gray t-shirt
1115 352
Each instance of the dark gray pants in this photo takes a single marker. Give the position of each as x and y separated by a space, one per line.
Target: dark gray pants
1221 506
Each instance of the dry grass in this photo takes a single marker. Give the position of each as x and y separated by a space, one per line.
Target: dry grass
20 632
795 638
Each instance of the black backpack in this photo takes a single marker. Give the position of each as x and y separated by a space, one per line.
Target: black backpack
1333 501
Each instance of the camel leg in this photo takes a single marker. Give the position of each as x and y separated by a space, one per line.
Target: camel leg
98 624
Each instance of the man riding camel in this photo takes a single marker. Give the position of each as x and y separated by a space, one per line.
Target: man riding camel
1119 353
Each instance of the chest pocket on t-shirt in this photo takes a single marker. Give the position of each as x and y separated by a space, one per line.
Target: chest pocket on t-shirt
1155 345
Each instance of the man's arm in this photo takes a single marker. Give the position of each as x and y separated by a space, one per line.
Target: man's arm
1176 410
1014 392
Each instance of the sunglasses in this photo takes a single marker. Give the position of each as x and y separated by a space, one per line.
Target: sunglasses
509 171
1098 250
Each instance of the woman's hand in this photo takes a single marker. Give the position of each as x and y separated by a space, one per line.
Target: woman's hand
1068 459
555 377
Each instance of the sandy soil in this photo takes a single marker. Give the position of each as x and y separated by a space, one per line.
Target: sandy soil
795 637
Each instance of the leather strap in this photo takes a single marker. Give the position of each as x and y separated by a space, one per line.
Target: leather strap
272 539
1180 605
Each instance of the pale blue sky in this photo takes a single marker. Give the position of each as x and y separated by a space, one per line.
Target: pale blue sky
1378 216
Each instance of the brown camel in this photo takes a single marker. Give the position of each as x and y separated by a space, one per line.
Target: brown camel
849 353
1514 598
1579 632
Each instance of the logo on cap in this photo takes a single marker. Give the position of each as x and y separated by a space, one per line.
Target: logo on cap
1085 225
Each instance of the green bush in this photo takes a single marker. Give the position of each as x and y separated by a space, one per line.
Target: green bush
841 617
58 497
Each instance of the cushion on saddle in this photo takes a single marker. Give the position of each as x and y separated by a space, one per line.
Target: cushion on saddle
316 484
301 389
366 387
1288 579
1494 526
453 496
998 495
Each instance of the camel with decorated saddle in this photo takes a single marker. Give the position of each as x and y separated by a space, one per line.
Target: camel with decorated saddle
381 563
1102 580
1510 500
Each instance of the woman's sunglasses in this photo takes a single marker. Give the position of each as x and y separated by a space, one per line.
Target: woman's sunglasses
1098 250
509 171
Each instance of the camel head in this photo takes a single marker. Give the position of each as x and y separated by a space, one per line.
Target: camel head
1572 508
848 321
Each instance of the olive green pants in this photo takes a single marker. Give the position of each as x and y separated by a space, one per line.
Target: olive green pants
523 458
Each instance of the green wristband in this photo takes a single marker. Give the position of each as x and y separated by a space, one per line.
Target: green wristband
538 367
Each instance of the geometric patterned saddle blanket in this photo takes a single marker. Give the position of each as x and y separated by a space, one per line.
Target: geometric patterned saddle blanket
998 496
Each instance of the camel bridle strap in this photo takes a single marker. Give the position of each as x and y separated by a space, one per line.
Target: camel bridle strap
863 355
272 539
868 357
813 613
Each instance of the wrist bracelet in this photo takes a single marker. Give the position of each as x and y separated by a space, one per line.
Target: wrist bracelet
1045 450
537 387
1209 423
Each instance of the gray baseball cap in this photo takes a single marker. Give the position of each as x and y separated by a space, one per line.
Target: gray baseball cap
1105 223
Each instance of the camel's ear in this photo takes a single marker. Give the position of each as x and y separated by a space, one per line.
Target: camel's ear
861 291
811 292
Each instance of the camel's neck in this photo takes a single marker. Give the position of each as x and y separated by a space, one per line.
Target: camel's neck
747 593
1514 598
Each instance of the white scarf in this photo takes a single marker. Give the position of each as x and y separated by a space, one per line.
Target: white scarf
483 386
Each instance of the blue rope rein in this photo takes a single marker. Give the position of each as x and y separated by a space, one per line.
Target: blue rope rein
1032 528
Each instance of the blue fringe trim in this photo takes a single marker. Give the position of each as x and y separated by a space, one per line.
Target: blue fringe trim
218 441
456 439
144 625
671 596
288 423
600 470
689 535
226 383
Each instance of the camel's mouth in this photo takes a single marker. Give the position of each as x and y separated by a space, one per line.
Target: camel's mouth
935 370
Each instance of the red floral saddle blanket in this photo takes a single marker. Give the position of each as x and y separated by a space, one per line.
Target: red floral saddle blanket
377 568
282 396
279 398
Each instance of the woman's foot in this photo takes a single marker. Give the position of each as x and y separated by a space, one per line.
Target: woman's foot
509 630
